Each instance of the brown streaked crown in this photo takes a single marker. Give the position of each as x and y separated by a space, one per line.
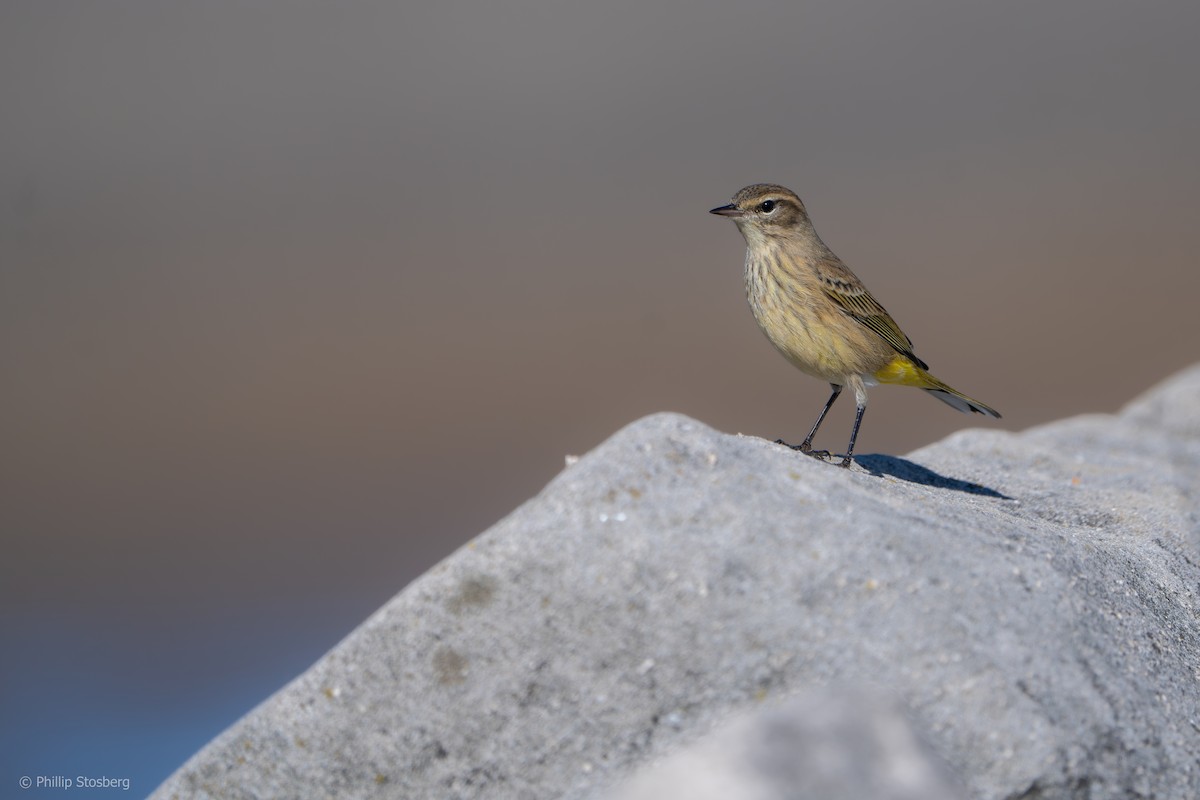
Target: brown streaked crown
768 206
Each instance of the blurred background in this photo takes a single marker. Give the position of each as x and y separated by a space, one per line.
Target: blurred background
297 297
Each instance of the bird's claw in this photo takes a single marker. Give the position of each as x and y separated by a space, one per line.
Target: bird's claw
806 448
823 455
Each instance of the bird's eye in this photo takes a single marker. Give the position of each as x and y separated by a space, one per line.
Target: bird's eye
766 206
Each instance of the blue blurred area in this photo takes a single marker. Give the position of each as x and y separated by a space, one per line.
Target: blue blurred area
97 696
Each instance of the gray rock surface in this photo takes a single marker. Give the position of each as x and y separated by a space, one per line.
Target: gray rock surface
1030 599
819 745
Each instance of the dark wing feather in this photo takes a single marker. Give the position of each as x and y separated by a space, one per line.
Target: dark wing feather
848 292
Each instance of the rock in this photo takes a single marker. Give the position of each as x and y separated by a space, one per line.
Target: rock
1029 599
819 745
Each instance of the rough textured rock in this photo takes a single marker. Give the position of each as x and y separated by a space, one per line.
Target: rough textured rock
821 745
1030 599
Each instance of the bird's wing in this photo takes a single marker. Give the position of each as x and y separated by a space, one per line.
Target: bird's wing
845 289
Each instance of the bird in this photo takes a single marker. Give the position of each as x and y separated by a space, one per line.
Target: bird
819 315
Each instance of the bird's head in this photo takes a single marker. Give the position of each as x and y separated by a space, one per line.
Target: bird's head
766 209
765 205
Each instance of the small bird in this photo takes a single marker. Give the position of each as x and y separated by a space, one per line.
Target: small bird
819 315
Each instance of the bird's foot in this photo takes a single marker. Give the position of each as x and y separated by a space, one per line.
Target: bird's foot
806 448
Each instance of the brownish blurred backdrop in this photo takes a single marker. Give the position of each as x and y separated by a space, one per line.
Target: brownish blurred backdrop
297 297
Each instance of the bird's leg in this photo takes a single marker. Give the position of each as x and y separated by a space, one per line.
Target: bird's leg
806 445
849 457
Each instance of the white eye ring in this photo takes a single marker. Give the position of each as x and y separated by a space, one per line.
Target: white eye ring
768 206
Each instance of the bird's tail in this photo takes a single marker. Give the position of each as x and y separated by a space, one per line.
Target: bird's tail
956 399
904 372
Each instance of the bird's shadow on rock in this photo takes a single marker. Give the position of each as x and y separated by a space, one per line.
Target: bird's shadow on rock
905 470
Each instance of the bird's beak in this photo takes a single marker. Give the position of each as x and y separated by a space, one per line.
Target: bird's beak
727 211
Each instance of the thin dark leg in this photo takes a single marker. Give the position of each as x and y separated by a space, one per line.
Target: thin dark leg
853 435
806 445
